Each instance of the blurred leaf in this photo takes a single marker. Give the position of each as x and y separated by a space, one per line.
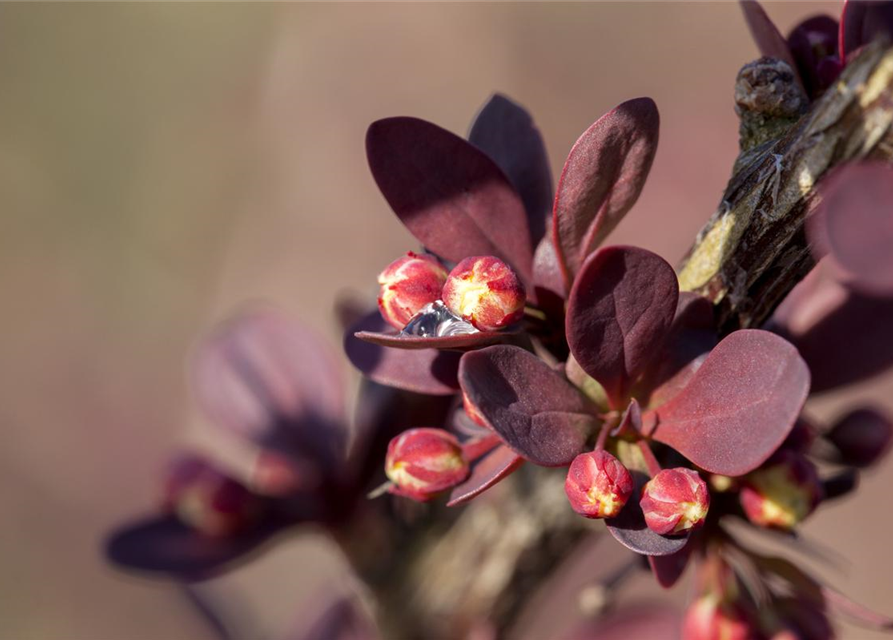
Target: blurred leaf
861 22
738 407
668 569
602 179
619 312
485 473
535 410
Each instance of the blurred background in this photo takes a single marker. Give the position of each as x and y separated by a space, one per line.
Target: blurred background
161 164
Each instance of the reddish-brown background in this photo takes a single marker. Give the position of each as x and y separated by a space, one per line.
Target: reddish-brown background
159 164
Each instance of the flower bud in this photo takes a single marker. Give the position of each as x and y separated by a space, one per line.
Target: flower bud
709 618
862 437
407 285
675 500
598 485
424 462
209 501
781 493
484 291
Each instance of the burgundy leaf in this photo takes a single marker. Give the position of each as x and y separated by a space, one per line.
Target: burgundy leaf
163 544
862 437
422 371
630 530
840 484
690 338
602 179
273 381
488 471
506 133
618 315
854 224
813 44
450 195
764 32
535 410
861 22
458 342
738 407
668 569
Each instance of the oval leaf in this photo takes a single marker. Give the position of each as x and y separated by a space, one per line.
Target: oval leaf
630 530
861 22
506 133
487 472
619 312
422 371
260 371
668 569
163 544
602 179
739 406
535 410
450 195
854 224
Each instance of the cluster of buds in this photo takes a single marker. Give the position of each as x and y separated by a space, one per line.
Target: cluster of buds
423 463
482 290
208 501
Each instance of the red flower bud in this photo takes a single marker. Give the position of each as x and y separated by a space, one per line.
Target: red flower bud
782 492
484 291
209 501
407 285
675 500
424 462
709 618
598 485
862 437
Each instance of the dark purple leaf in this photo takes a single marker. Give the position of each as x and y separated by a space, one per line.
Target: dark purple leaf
458 342
450 195
854 224
273 381
506 133
690 338
813 44
840 484
766 35
486 472
619 312
602 179
336 617
422 371
862 437
535 410
164 545
738 407
630 530
861 22
668 569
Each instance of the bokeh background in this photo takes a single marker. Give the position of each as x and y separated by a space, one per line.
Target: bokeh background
162 164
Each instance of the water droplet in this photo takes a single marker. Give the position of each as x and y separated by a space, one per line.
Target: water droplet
435 320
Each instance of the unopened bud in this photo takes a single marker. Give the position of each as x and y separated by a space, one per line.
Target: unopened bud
674 501
709 618
484 291
598 485
862 437
407 285
424 462
781 493
209 501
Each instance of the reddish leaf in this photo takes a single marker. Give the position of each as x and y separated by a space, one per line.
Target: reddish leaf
738 407
275 382
506 133
535 410
422 371
488 471
813 44
458 342
668 569
602 179
163 544
854 224
630 530
618 315
764 32
547 279
450 195
861 22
